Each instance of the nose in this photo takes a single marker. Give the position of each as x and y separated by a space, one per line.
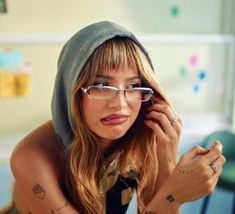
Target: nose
118 101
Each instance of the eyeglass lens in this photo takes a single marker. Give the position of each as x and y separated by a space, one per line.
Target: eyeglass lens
130 94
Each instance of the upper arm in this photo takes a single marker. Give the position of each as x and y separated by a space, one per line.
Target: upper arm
36 168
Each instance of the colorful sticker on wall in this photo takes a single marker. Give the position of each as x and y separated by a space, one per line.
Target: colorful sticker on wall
193 60
197 75
202 74
183 71
174 11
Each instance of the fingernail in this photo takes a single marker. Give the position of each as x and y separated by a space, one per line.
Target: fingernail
216 143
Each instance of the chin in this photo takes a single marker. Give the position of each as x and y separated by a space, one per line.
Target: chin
114 134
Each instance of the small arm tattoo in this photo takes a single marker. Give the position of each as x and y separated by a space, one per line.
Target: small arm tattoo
60 208
170 198
39 191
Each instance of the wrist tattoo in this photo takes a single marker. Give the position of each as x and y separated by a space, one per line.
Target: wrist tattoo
170 198
39 191
60 208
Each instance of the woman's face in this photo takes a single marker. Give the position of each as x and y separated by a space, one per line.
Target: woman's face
110 119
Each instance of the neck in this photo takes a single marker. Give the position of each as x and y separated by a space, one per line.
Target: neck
107 144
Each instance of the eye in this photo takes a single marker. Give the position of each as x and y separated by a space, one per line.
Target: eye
99 83
134 85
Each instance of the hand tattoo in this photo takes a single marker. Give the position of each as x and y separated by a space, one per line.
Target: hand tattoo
170 198
185 171
39 191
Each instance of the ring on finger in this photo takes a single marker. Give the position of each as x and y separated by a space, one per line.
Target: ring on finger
214 168
173 120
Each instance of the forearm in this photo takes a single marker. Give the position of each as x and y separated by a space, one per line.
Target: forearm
24 204
163 175
162 203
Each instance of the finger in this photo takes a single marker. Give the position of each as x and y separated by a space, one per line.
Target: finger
194 152
213 182
162 120
213 154
167 110
159 100
179 120
177 126
164 108
155 127
216 166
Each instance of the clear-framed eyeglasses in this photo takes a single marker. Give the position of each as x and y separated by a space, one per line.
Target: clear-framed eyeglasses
137 94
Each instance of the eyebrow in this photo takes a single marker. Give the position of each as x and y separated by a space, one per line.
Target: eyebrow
105 76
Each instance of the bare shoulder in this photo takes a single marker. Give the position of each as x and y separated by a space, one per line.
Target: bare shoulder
40 146
36 164
43 137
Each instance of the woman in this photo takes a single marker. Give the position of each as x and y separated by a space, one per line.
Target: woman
113 134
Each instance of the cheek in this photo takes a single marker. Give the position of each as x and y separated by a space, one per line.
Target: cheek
92 111
136 109
88 108
87 105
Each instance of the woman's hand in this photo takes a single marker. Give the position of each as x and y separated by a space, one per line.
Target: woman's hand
195 175
167 128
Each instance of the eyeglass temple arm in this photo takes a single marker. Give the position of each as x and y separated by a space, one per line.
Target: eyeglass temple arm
84 89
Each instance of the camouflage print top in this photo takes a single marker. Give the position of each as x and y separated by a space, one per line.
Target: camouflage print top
117 189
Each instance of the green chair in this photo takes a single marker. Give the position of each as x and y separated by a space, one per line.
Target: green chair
227 178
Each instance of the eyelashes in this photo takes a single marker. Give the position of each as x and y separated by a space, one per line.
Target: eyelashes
134 85
100 84
130 85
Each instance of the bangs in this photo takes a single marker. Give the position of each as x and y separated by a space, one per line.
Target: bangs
116 54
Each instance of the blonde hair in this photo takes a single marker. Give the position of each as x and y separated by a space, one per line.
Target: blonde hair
84 155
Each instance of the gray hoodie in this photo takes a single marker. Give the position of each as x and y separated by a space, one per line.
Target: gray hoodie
72 59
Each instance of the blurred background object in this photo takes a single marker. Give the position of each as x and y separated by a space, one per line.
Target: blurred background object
3 6
191 43
227 178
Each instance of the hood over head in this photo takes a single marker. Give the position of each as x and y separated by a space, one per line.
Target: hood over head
72 59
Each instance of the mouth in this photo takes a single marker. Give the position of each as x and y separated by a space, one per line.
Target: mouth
114 119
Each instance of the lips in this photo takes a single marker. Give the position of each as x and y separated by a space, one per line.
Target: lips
114 119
